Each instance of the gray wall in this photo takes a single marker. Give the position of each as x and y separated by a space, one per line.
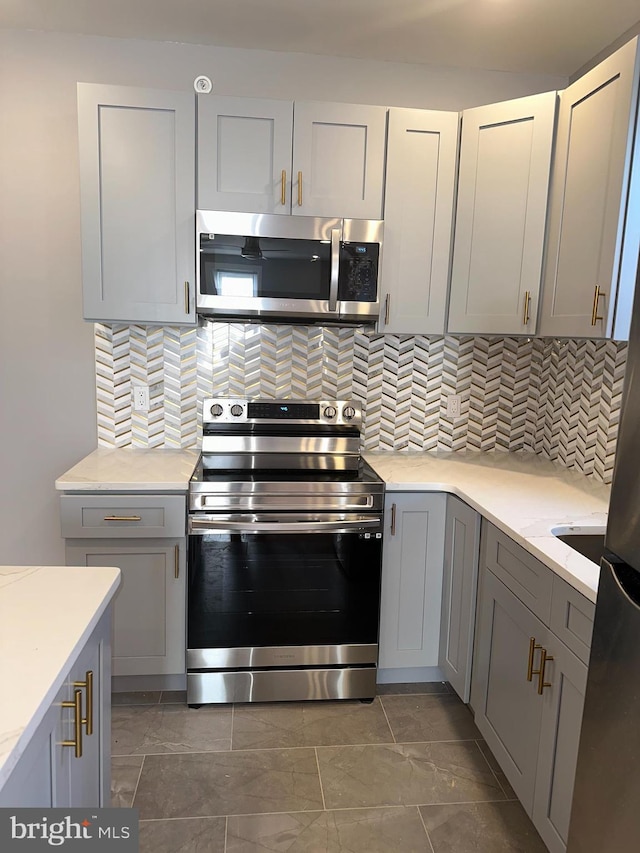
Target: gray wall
47 393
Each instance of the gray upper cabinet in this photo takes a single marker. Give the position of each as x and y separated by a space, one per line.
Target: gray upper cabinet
338 160
418 217
307 158
244 154
461 543
592 239
137 188
505 162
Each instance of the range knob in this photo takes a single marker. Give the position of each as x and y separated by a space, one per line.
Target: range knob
329 412
348 413
216 410
236 410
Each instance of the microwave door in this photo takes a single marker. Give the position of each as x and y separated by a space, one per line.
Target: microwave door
260 277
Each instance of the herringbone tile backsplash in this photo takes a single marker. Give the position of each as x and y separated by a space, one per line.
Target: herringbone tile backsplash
558 398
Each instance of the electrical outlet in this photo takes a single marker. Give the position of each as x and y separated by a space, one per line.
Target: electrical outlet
141 398
454 406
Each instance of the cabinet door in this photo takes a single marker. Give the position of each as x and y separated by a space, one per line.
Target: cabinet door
508 709
411 595
505 161
588 199
338 160
418 214
461 546
244 154
137 190
149 608
563 702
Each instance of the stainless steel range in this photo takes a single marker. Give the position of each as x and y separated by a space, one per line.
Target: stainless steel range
285 549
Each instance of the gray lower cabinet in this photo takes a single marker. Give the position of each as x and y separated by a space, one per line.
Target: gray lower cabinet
411 583
145 537
528 687
563 702
461 543
137 191
52 772
149 608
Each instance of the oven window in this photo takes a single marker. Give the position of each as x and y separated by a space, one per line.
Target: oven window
264 267
283 590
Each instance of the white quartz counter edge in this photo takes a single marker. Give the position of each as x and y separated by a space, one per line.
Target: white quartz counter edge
521 494
126 469
47 614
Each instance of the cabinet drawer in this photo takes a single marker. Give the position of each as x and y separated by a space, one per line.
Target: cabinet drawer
122 516
572 618
526 577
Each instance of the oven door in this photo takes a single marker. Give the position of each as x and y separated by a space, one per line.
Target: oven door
253 267
287 589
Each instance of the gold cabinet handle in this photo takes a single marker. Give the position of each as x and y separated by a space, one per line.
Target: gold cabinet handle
176 557
597 293
77 723
283 188
527 305
299 189
533 647
186 297
387 307
88 685
393 519
544 657
123 518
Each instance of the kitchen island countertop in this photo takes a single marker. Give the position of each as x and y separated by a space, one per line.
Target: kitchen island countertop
524 495
47 613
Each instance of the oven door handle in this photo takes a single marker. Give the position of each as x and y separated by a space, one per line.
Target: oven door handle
204 525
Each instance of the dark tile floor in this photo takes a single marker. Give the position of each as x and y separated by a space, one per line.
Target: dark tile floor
407 773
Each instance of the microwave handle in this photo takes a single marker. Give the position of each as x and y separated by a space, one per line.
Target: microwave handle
335 268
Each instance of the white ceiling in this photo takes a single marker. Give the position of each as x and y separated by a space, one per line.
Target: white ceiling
546 36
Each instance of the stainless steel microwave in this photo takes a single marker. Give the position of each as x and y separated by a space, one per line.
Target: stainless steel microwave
298 269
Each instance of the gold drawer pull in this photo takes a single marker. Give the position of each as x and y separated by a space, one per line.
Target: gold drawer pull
123 518
387 307
88 684
77 723
186 297
533 647
544 657
594 311
283 188
299 189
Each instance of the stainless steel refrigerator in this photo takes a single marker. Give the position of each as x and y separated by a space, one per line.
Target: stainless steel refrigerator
605 816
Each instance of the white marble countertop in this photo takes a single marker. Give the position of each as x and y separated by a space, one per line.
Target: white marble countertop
47 614
126 469
524 495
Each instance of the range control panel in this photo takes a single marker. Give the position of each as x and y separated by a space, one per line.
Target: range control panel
225 410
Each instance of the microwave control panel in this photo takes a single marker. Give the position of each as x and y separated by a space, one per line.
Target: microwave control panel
358 281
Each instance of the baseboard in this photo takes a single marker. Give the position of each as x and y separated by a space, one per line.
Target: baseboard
139 683
410 675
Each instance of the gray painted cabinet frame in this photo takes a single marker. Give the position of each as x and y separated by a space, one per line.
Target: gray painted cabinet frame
137 192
